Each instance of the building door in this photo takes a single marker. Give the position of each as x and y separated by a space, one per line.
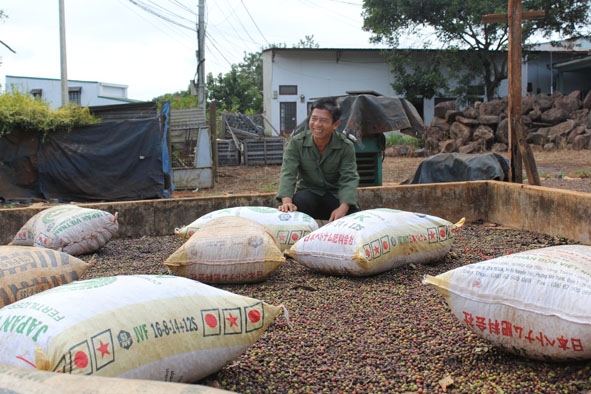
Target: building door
287 117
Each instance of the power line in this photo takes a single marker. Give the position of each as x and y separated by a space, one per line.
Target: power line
242 25
159 15
181 5
255 24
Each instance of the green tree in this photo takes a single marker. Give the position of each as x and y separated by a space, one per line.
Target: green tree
307 42
178 100
458 25
241 89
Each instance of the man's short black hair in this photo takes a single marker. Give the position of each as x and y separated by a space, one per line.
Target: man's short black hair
329 104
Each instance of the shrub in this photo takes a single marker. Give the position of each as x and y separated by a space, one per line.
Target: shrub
21 111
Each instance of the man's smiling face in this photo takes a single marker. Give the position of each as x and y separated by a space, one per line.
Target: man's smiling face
321 125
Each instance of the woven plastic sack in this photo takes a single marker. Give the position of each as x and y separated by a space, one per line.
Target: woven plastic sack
286 227
16 380
228 249
68 228
374 241
28 270
163 328
536 303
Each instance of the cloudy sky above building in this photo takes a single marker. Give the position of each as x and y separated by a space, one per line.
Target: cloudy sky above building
150 45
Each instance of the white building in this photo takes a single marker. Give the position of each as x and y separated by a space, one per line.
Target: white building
294 77
84 93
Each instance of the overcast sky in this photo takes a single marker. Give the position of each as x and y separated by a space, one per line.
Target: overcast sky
119 41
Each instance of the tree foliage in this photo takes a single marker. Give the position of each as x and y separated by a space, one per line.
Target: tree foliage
241 89
178 100
307 42
458 25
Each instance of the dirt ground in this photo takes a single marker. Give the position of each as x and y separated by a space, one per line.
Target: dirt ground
564 169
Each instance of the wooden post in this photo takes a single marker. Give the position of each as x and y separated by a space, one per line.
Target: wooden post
514 72
213 135
520 151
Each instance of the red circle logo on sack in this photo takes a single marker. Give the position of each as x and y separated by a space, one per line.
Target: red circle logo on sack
211 320
254 316
81 360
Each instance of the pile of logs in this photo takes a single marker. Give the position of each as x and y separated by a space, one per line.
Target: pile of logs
550 122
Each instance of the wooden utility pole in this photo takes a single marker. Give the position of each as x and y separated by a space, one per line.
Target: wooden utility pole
520 151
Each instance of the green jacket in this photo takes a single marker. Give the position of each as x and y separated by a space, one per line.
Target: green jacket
304 169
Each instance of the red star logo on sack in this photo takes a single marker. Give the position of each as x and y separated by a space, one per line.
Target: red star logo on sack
233 321
104 352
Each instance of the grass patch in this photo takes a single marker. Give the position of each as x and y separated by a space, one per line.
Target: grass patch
269 187
583 173
393 139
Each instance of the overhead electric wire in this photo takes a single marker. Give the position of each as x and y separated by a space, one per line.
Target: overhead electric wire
166 10
177 33
242 25
216 48
181 5
255 24
232 36
165 18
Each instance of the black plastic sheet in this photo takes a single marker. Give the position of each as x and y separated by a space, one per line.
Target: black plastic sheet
367 114
111 161
457 167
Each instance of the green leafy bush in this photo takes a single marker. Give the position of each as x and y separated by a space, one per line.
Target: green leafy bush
403 139
24 112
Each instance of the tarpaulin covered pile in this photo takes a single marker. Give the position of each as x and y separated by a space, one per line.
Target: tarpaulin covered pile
457 167
367 114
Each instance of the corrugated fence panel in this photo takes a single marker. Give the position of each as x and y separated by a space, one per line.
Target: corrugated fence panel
264 151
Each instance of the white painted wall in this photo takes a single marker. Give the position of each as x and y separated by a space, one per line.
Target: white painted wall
333 72
320 73
92 93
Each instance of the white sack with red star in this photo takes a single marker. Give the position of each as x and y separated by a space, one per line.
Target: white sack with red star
155 327
373 241
286 227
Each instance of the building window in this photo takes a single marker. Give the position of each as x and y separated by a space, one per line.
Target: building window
288 89
75 95
37 93
287 121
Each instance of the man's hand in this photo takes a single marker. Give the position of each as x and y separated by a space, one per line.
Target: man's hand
287 205
339 212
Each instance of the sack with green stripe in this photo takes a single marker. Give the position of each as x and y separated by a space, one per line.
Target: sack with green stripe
156 327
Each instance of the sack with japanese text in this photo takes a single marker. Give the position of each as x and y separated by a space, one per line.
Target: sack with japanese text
164 328
68 228
373 241
27 270
286 227
228 249
17 380
536 303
